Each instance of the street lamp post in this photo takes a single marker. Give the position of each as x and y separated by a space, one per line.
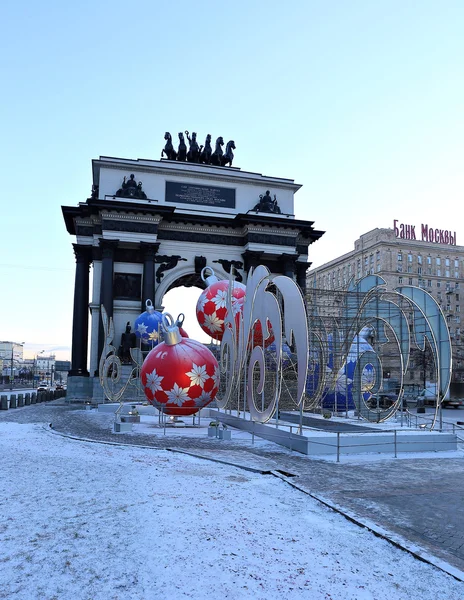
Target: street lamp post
12 362
36 366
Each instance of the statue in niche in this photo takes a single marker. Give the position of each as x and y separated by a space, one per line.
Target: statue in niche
229 155
206 150
267 204
216 156
193 155
168 149
182 149
128 341
131 189
94 194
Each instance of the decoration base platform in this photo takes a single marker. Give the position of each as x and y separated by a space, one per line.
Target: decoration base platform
317 442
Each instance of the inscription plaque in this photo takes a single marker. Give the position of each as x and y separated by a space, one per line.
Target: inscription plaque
206 195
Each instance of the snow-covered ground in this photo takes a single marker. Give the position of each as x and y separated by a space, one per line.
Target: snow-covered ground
92 521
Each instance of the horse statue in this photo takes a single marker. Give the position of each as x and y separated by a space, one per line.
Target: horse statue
182 150
229 155
193 155
171 154
216 156
205 154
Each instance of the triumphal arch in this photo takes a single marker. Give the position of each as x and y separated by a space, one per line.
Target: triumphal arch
152 225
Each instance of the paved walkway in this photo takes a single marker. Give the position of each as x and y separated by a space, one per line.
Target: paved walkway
418 500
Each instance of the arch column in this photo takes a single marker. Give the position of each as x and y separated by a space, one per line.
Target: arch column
148 286
288 265
301 268
106 285
80 330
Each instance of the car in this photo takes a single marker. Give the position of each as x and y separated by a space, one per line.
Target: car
43 387
58 386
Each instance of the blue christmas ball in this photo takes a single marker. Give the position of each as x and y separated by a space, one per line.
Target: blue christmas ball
147 326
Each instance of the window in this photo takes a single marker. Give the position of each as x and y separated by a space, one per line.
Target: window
419 270
429 260
409 269
399 269
438 284
371 258
456 274
429 270
410 281
400 280
438 272
419 259
366 261
458 319
400 257
378 255
410 258
456 285
447 264
429 283
438 261
458 308
457 297
456 263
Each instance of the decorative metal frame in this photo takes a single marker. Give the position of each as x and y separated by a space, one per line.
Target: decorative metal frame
255 379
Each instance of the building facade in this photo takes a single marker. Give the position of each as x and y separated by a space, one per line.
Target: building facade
400 259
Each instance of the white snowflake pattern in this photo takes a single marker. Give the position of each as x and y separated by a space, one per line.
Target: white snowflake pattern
142 328
213 323
202 300
153 381
216 377
203 398
198 375
220 299
178 395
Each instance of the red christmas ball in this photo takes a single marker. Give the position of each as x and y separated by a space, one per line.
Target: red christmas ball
257 335
212 304
180 376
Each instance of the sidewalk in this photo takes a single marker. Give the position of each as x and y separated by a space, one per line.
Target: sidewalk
418 500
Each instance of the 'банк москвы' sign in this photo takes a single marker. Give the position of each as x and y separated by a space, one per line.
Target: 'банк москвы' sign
428 234
206 195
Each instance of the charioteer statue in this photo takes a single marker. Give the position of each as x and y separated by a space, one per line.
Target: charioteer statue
199 154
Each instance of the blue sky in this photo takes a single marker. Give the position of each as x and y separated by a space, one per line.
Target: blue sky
359 101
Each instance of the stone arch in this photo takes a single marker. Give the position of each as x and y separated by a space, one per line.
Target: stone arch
179 276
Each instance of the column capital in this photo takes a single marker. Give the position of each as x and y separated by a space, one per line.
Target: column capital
108 247
149 249
82 253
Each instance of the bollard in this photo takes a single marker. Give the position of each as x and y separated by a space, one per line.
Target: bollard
33 397
20 400
13 401
39 397
395 444
3 402
27 399
338 446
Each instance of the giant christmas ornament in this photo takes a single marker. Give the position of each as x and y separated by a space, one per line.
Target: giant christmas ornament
212 303
147 325
180 376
